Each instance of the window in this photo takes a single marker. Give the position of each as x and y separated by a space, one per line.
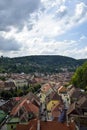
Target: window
11 126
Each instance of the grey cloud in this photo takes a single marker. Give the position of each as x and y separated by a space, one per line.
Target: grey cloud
9 45
15 12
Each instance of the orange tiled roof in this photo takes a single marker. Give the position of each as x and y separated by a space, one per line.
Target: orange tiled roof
29 126
30 96
52 125
49 125
56 110
46 87
28 106
31 107
17 107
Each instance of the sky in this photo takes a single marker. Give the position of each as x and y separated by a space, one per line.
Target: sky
43 27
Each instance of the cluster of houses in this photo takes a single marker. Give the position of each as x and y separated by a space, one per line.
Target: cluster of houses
33 111
20 80
54 107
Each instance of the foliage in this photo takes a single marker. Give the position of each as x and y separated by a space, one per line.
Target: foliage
3 78
6 94
30 64
79 78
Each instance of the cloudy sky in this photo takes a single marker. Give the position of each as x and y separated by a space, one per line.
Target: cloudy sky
43 27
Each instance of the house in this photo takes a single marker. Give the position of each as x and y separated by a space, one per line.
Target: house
78 111
56 110
82 102
7 106
12 123
73 110
58 85
51 100
25 111
39 80
66 100
8 84
26 108
42 125
69 87
45 88
45 91
21 82
74 94
53 96
33 98
61 90
51 104
31 107
79 107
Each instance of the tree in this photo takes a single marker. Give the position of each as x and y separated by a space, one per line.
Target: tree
79 78
2 78
6 94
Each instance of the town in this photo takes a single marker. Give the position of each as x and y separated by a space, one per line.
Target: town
42 101
43 64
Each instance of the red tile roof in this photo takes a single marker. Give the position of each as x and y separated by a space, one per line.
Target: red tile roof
30 96
52 125
31 107
29 126
17 108
49 125
45 88
56 110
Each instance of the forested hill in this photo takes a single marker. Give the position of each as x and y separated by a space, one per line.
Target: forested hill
29 64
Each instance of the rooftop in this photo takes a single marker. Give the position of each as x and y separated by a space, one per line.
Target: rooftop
49 125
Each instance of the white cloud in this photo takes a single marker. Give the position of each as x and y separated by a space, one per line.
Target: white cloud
83 37
81 9
80 12
53 19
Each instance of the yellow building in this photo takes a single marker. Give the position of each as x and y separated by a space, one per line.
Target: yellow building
51 104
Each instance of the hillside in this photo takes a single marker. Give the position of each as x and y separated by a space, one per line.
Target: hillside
30 64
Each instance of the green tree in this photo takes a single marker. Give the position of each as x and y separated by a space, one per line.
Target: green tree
79 78
2 78
6 94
